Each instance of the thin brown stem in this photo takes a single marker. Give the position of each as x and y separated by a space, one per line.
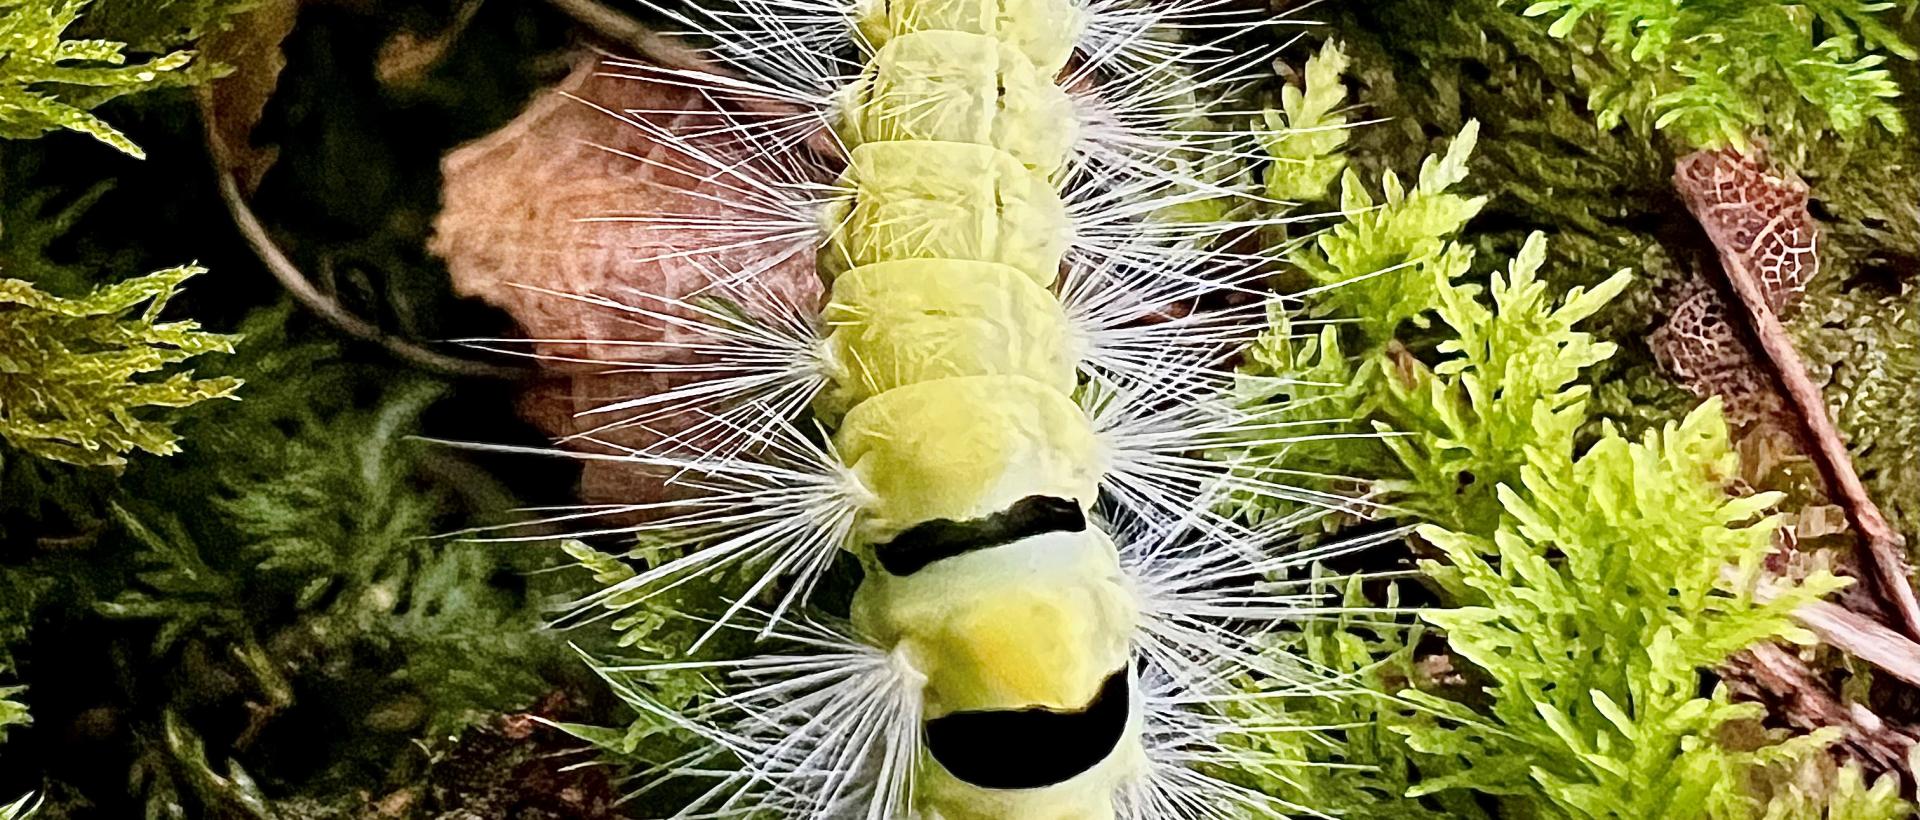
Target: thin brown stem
1880 549
303 290
326 308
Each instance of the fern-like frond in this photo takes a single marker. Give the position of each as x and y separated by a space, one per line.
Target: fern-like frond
1715 73
49 82
77 375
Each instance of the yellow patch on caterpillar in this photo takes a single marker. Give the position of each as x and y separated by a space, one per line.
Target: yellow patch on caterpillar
1040 622
966 447
1045 30
945 200
920 320
952 86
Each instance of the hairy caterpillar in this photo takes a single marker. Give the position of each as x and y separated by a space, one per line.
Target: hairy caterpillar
1053 622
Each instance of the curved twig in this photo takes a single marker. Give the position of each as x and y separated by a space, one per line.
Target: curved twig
621 29
309 296
326 308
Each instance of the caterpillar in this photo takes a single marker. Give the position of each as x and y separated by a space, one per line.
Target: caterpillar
1023 220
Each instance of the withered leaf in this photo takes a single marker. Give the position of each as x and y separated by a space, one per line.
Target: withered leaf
232 104
1757 216
518 226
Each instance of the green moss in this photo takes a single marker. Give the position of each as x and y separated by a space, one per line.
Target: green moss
1358 764
78 375
1424 69
49 82
1588 597
1383 263
1595 608
1715 72
1305 134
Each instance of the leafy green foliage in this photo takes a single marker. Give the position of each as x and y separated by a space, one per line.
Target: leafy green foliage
1715 72
1357 764
1305 135
34 219
1383 269
1387 257
1817 789
325 513
1592 594
649 628
155 26
12 712
283 573
1604 197
71 370
1867 345
1593 610
1508 387
49 83
1320 382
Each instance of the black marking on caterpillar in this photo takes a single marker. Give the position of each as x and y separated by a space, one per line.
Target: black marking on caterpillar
1031 748
937 540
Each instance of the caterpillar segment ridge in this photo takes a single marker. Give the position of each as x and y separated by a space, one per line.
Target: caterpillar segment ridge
1050 613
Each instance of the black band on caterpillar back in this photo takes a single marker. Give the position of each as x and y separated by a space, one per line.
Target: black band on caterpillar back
940 539
1031 748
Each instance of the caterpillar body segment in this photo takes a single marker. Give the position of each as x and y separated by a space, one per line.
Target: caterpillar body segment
946 200
950 86
1050 614
916 320
1046 31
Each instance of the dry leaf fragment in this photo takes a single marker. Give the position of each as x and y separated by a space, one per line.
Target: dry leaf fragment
1749 210
232 105
1767 241
518 228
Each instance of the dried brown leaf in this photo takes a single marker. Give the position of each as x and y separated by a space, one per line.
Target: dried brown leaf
1767 241
1759 214
232 105
514 224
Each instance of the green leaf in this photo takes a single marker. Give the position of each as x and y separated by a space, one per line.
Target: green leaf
48 83
79 377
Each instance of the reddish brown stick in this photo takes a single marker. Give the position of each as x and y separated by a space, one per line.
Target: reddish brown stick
1881 549
1768 241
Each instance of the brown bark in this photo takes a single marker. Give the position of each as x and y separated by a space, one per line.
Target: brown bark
1773 676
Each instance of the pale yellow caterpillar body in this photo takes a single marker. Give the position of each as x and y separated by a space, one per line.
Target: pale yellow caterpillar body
1052 622
1020 618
